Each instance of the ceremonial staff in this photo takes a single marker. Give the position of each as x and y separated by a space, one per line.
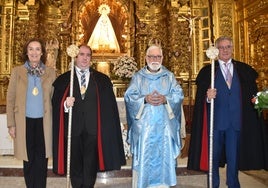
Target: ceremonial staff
212 53
72 51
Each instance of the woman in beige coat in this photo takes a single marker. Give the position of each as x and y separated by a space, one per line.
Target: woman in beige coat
29 112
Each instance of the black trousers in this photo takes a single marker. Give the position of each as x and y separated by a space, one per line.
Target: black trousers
84 160
35 169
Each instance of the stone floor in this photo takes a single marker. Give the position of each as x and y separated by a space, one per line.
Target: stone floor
11 176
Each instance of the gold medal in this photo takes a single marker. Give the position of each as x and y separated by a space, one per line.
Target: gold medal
35 91
82 90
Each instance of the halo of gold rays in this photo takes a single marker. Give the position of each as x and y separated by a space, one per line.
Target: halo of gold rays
104 9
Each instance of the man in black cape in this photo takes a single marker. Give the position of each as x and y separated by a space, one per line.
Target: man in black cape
253 146
95 124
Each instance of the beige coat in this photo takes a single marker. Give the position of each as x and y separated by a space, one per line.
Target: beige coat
16 103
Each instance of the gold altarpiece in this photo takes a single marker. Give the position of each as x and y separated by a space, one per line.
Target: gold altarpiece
184 28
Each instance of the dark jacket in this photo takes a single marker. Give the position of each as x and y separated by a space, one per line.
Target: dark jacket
254 135
110 145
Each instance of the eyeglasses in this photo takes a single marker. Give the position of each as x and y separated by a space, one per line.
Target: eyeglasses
225 47
154 56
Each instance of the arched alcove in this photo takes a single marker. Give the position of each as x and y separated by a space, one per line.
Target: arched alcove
119 15
89 15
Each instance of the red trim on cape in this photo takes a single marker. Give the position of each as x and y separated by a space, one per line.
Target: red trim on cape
100 151
204 140
61 165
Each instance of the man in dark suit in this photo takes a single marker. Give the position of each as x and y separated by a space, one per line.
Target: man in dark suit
96 140
238 137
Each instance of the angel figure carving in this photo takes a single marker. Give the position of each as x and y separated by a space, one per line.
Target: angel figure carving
52 48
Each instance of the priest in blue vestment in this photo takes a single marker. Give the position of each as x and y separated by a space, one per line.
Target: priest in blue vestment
153 104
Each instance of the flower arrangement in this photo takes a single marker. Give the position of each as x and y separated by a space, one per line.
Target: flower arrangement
260 101
125 67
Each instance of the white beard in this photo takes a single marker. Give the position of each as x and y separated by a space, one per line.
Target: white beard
154 66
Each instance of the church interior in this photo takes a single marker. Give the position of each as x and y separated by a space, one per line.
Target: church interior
119 32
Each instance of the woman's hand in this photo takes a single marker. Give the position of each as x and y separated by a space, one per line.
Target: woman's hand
12 131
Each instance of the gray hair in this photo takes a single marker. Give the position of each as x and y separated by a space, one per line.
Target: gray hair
154 47
223 38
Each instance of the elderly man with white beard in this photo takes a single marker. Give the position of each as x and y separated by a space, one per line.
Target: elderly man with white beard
153 104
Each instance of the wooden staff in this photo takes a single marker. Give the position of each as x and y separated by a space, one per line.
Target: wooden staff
72 51
212 53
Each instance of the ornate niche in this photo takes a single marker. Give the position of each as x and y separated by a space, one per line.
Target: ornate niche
90 15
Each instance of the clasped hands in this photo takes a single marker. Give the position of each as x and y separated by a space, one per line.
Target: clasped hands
155 99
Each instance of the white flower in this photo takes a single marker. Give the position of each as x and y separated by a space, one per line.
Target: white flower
125 67
260 101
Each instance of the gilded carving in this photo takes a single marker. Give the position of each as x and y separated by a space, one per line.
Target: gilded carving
136 22
56 3
4 80
253 32
254 8
225 19
52 48
151 23
179 46
258 53
241 45
157 3
24 29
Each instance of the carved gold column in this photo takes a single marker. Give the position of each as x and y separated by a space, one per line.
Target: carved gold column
50 17
178 32
50 30
25 27
6 57
224 18
19 23
67 32
151 24
252 38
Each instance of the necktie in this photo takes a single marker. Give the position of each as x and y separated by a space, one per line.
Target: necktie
228 75
83 83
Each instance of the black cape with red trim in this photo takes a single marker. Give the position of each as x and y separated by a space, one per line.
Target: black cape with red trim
254 133
110 144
